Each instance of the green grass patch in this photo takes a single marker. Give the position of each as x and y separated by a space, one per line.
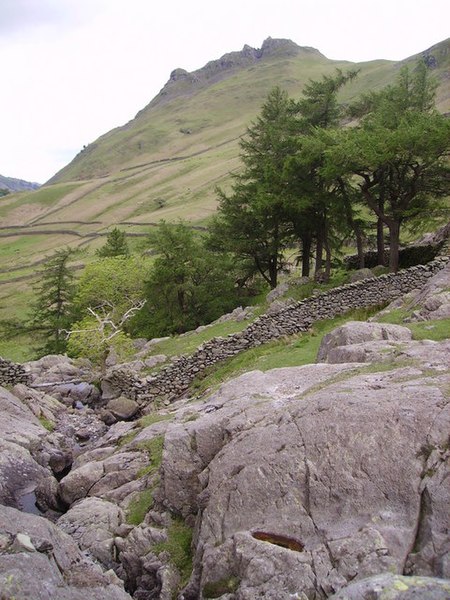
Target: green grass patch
154 447
153 418
140 506
49 425
436 330
46 196
189 342
179 547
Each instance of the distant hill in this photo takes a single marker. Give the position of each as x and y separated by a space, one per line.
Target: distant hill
167 162
17 185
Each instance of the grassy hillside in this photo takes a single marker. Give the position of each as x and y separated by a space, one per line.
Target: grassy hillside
167 161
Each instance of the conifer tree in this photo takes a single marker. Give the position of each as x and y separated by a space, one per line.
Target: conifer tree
52 310
116 244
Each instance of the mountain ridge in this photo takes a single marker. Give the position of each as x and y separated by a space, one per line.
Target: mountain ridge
17 185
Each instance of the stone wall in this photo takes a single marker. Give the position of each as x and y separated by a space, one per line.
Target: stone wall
174 379
12 373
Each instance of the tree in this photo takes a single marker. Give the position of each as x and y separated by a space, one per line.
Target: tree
116 244
316 209
187 286
114 284
251 221
397 156
53 308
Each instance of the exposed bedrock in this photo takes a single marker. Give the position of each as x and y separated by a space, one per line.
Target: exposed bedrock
301 487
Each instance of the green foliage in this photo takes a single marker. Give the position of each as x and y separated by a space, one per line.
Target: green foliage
397 158
187 286
90 340
53 309
116 244
113 283
251 221
179 547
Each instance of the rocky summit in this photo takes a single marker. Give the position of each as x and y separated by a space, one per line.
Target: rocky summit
329 480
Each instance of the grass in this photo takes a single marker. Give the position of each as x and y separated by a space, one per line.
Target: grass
179 547
436 330
154 447
153 418
140 506
49 425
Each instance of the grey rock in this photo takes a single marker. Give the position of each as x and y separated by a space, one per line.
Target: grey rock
92 523
308 478
358 332
361 274
123 408
395 587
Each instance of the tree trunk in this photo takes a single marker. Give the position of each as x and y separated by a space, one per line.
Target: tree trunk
319 254
306 253
327 260
380 243
359 246
394 234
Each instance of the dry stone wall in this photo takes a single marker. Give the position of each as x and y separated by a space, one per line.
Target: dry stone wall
12 373
174 379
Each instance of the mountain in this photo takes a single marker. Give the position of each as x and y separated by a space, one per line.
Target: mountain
17 185
167 162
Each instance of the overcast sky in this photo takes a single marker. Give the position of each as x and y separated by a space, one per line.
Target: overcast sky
72 70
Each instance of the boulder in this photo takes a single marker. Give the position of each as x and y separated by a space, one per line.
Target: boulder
100 477
358 332
361 274
18 424
123 408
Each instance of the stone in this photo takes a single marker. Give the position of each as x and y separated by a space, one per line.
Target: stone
78 483
123 408
311 477
92 523
22 543
59 571
360 275
395 587
357 332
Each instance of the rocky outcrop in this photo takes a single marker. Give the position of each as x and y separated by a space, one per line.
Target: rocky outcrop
305 479
182 83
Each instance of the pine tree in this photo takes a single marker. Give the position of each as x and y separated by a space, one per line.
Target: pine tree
52 310
116 244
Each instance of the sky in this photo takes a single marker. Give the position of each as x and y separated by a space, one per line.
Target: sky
71 70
